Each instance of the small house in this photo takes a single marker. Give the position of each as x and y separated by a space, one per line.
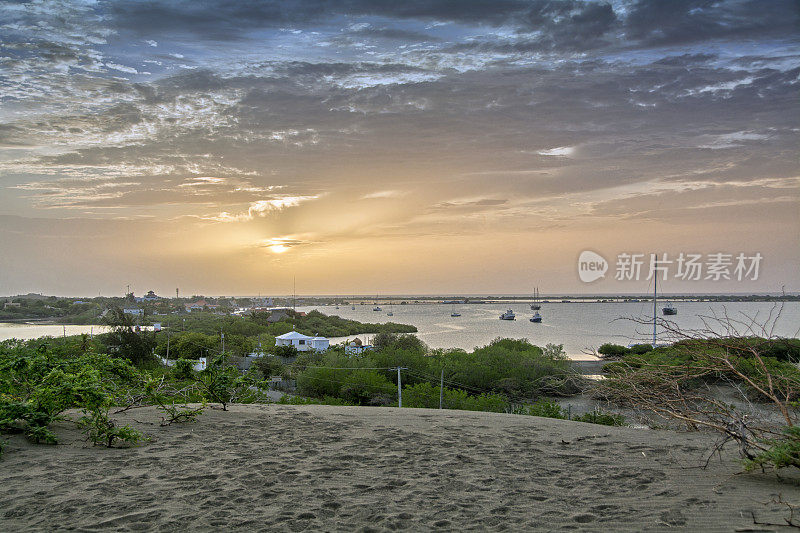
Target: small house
302 343
356 347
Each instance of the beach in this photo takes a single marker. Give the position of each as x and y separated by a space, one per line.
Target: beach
324 468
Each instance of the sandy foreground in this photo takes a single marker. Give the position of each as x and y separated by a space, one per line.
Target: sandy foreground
322 468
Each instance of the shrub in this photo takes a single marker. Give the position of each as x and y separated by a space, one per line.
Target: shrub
103 431
336 374
220 382
286 352
612 350
426 395
544 408
269 366
640 349
183 369
602 418
783 451
164 400
512 367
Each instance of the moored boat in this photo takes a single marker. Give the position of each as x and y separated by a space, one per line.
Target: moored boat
508 315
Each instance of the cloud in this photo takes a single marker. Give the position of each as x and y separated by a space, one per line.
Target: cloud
261 208
561 151
383 194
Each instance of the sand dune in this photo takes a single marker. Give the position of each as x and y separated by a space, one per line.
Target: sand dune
320 468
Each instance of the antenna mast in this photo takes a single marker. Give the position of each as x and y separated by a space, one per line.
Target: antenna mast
655 307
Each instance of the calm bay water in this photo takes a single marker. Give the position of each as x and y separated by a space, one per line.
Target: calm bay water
34 331
580 327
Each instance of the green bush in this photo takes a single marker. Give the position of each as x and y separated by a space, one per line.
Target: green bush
38 384
269 366
544 408
640 349
183 369
515 368
338 375
221 382
286 352
783 452
602 418
103 431
425 395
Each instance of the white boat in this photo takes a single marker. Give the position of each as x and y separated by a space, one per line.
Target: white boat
508 315
669 309
536 317
455 313
377 308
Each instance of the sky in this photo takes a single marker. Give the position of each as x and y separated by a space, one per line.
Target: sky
415 147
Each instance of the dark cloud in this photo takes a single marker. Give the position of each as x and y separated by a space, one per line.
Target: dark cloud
393 34
670 22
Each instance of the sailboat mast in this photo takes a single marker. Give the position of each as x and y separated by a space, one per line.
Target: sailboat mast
655 306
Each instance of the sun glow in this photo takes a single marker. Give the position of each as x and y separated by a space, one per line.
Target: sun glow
278 248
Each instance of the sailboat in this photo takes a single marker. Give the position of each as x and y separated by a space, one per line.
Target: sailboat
377 307
390 313
455 313
535 306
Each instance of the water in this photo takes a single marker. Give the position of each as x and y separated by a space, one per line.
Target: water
34 331
580 327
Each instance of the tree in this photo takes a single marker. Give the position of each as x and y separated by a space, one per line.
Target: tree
686 381
135 346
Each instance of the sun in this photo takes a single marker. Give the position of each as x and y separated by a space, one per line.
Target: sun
278 249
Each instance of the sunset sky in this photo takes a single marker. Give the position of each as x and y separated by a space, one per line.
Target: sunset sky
414 147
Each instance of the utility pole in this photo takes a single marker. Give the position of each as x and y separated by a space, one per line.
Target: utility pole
441 389
223 342
400 387
168 332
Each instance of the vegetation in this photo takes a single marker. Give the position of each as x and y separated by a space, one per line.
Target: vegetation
724 383
427 395
82 379
615 351
505 368
781 452
37 384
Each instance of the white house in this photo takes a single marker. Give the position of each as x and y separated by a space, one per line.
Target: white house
356 347
320 344
133 311
303 343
